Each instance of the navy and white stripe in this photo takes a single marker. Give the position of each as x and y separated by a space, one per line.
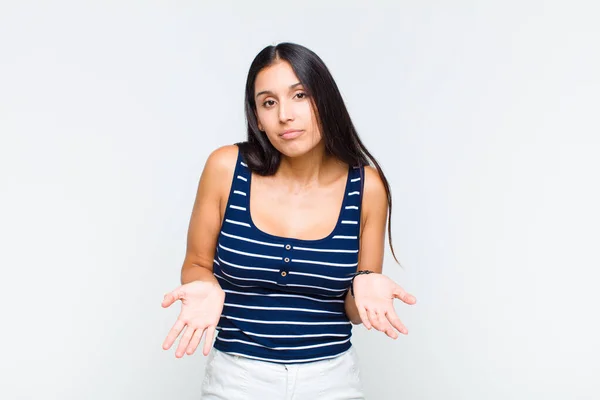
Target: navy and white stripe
284 296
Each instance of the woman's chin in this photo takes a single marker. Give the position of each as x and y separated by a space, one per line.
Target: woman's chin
295 149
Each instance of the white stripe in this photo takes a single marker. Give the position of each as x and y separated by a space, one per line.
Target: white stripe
239 192
325 250
250 268
282 308
243 164
238 207
284 348
350 222
248 279
262 280
325 263
353 193
249 254
283 295
233 283
216 262
344 237
286 361
237 223
242 178
351 207
251 240
287 322
317 287
297 336
284 336
319 276
355 180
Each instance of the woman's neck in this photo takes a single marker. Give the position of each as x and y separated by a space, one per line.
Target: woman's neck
311 169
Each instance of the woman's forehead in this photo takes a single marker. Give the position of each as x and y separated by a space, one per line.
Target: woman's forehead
276 77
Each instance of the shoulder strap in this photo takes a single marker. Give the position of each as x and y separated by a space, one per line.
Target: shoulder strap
349 225
239 194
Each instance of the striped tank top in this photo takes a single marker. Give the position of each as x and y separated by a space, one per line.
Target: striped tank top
284 297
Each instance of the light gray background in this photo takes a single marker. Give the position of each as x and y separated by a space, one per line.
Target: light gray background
484 116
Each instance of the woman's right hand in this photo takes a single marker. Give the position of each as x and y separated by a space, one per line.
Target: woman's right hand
201 307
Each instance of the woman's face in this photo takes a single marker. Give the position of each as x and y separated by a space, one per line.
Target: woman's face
284 110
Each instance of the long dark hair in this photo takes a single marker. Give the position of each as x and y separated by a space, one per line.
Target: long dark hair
340 137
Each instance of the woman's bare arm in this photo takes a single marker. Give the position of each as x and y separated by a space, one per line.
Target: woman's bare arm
206 218
201 295
372 237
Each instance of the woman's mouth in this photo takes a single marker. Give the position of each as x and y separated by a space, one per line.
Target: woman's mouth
291 134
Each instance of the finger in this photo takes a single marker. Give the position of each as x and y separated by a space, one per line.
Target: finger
375 321
208 339
403 295
173 333
395 321
184 342
172 297
385 325
362 313
194 342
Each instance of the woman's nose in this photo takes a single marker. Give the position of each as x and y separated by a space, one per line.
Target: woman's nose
285 112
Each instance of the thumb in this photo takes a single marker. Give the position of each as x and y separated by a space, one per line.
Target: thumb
171 297
403 295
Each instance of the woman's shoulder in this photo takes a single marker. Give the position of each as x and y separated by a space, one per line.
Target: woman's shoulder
222 159
374 193
373 184
219 170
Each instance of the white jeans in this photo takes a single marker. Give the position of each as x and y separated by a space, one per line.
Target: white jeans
233 377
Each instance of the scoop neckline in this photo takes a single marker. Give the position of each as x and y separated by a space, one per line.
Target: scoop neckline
291 239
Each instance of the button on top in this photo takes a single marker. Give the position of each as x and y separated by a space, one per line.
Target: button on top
287 247
283 273
286 259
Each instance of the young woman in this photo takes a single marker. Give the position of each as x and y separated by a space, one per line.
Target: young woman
284 230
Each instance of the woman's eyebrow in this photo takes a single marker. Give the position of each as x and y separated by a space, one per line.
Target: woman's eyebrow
271 93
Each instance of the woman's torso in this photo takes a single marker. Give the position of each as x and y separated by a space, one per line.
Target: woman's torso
286 277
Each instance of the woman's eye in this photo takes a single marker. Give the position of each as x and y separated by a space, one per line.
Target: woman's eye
268 103
301 95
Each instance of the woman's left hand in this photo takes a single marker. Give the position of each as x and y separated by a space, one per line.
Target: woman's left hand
374 296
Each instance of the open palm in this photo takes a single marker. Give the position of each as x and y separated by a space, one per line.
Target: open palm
374 296
201 307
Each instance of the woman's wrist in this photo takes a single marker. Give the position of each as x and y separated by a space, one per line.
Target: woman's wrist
361 272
